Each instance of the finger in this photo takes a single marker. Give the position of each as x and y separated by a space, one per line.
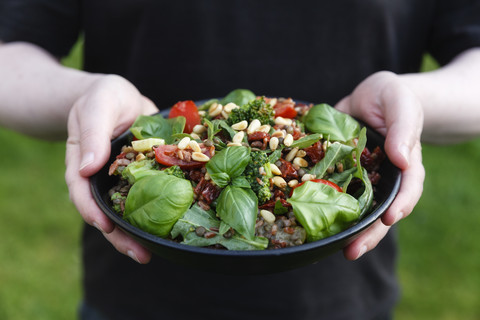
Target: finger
79 190
366 241
404 123
411 189
126 245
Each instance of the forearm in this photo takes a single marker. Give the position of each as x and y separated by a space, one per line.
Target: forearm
36 91
450 97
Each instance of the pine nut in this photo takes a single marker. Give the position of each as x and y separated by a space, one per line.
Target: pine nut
201 113
326 144
273 143
207 176
140 157
198 156
300 162
275 170
215 109
308 177
254 125
199 128
278 134
267 216
234 144
272 102
195 136
239 126
293 183
279 182
261 171
183 143
225 114
291 155
280 121
195 146
238 137
265 128
288 140
229 107
301 153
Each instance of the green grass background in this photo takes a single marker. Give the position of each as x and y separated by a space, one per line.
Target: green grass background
439 263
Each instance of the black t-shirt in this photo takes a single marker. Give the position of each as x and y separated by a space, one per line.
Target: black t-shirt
310 50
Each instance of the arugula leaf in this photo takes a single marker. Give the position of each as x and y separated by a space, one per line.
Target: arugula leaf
196 217
322 210
335 153
306 141
325 119
238 208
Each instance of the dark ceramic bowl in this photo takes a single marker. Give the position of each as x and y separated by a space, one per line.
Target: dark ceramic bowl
248 262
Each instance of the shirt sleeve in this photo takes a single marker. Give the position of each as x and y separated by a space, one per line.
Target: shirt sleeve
51 24
456 28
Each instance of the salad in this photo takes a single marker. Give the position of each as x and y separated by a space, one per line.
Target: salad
245 172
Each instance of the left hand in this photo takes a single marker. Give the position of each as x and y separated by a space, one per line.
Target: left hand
386 103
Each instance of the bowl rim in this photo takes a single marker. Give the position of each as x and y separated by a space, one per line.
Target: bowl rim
356 229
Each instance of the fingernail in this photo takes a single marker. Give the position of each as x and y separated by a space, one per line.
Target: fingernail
405 152
132 255
362 251
96 225
86 160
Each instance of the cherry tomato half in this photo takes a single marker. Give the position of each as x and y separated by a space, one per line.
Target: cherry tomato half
168 156
285 110
187 109
326 182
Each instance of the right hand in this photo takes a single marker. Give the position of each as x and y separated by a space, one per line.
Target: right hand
105 110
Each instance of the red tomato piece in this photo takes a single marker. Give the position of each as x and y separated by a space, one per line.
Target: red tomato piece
168 156
326 182
285 109
189 110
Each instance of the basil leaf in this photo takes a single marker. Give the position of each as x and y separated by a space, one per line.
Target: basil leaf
177 124
155 126
238 208
241 182
322 210
279 208
224 125
306 141
228 164
336 152
156 202
239 97
324 119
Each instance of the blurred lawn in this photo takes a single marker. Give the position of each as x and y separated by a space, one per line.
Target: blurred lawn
40 271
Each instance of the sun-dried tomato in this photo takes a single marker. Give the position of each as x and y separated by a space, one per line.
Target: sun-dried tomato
315 152
372 160
287 169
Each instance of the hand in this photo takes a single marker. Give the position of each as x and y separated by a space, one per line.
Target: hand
107 108
386 103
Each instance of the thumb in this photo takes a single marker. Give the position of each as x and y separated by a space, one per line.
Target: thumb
404 124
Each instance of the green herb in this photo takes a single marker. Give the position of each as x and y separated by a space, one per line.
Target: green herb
156 202
324 119
322 210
